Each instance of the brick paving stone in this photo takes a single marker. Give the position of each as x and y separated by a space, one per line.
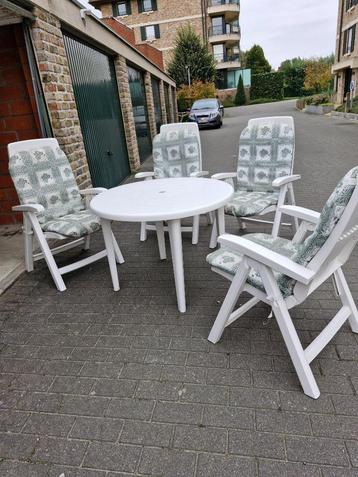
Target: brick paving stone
283 422
173 463
339 472
205 394
231 377
130 408
147 433
59 451
316 450
297 401
229 417
49 425
12 421
345 427
116 457
72 385
352 447
210 465
254 397
200 438
177 413
183 374
256 444
159 390
114 387
274 468
97 429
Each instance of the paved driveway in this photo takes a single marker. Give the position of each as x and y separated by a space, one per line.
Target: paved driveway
102 384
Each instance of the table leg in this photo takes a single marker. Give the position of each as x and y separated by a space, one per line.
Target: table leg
178 265
161 240
221 220
108 240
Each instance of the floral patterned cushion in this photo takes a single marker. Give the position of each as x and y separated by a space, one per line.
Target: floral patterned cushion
74 225
229 261
266 152
44 176
176 153
246 204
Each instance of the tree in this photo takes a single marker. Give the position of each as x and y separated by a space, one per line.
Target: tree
318 75
190 53
240 97
294 76
256 61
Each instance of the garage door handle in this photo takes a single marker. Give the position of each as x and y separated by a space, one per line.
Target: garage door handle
109 153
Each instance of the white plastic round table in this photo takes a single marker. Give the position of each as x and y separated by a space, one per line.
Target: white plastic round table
159 200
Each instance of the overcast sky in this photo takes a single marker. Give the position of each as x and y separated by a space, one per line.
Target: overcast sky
289 28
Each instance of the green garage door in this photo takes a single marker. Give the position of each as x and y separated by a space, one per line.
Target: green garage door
96 94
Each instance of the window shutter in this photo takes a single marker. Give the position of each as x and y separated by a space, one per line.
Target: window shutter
140 6
353 38
154 5
128 7
143 33
157 31
115 9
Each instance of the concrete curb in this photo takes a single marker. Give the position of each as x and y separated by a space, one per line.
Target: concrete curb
350 116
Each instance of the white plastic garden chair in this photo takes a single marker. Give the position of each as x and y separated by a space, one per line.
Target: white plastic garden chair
264 177
52 206
284 273
176 153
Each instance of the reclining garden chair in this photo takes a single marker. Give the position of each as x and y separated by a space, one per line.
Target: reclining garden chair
284 273
52 205
264 172
176 153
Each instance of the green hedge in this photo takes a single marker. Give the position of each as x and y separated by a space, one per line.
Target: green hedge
267 85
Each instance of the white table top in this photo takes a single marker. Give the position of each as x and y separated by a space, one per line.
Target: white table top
162 199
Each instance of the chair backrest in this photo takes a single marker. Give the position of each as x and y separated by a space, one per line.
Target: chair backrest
193 127
266 151
42 175
336 233
176 153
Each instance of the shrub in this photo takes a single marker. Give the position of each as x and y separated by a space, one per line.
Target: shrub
188 94
267 85
240 98
318 99
263 100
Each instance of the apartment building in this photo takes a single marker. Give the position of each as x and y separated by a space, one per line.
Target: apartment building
157 21
346 64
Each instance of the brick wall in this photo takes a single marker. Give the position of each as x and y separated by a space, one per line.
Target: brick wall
127 112
18 115
150 104
163 108
57 85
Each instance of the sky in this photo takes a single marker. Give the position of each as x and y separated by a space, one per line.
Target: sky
289 28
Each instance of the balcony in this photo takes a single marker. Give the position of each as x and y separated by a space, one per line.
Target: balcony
230 9
227 61
228 33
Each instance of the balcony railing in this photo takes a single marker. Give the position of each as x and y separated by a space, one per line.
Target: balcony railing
224 58
226 29
214 3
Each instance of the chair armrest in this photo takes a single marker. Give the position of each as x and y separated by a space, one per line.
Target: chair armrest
93 191
267 257
144 175
224 175
280 181
307 215
34 208
200 174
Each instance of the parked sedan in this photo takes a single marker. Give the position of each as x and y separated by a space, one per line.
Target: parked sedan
207 112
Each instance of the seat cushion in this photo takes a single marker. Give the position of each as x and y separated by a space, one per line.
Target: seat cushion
229 261
75 225
246 204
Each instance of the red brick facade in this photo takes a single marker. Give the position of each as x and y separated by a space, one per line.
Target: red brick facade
18 114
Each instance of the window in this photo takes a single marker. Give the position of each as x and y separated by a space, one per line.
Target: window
218 25
218 52
147 5
350 4
349 40
150 32
122 8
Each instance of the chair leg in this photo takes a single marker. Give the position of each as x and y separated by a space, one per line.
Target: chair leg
56 275
28 244
289 334
214 234
346 298
117 251
210 218
143 231
195 233
161 240
108 240
242 225
87 243
229 303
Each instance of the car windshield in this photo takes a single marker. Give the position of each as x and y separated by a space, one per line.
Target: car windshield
205 104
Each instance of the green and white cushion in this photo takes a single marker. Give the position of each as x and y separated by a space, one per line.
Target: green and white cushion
176 153
266 152
246 204
44 176
229 261
74 225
